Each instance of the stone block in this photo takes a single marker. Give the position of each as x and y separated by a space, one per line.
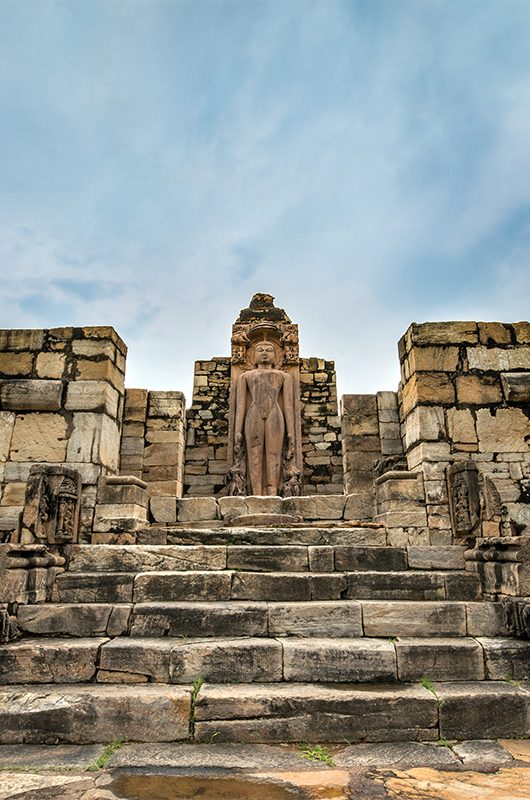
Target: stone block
119 517
151 586
227 661
122 493
506 659
483 710
162 454
427 388
83 619
408 755
359 506
92 396
16 364
321 559
404 518
339 660
424 425
13 494
414 618
522 332
278 587
300 506
507 431
92 348
494 359
112 587
478 390
49 661
359 415
200 619
94 713
30 395
485 619
39 437
433 359
95 439
441 333
318 618
364 559
461 426
166 404
435 557
197 509
493 333
396 585
263 505
50 365
516 386
100 371
230 507
168 487
288 558
105 332
425 452
20 339
442 659
7 422
147 657
163 509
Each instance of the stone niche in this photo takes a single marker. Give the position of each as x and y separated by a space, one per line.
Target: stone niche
311 460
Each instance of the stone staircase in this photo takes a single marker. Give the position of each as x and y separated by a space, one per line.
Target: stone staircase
231 634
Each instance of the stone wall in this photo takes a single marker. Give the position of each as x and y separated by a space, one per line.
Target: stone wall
153 440
321 445
207 428
61 402
465 394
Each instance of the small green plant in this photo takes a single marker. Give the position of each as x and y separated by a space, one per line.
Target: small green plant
443 743
428 684
103 760
196 688
315 752
511 681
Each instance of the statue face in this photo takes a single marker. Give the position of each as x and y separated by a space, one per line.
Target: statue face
264 354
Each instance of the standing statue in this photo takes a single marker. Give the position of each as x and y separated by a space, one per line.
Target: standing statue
264 421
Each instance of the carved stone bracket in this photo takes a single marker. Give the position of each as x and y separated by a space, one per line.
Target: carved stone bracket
51 508
517 617
464 498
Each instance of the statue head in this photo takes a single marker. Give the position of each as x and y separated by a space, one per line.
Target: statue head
265 354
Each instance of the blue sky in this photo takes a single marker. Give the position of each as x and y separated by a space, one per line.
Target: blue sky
368 163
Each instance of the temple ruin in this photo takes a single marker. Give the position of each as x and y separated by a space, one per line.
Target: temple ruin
267 544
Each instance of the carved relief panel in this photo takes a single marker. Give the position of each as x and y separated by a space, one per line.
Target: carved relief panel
464 497
51 509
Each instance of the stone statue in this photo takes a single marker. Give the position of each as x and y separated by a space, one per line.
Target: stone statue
264 421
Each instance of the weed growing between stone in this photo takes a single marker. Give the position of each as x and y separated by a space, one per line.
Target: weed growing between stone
428 684
103 760
315 752
196 688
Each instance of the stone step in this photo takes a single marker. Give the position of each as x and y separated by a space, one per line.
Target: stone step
126 587
341 618
89 713
332 534
283 712
245 660
262 558
394 712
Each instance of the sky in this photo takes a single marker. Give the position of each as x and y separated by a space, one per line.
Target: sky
366 162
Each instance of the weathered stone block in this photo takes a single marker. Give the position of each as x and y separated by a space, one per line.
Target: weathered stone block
435 557
166 404
30 395
427 388
482 711
414 618
230 507
200 619
82 619
227 661
396 585
122 489
148 657
100 371
339 660
478 390
442 659
485 619
263 505
321 559
506 659
197 509
522 332
359 415
39 437
92 396
49 661
95 438
318 618
424 425
151 586
507 431
516 386
50 365
267 558
19 339
94 713
497 359
433 359
163 509
284 586
7 422
461 426
359 505
493 333
16 363
370 558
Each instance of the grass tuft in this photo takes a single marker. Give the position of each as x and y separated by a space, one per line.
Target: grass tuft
315 752
103 760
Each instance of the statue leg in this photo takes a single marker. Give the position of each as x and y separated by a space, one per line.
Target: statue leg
254 441
274 436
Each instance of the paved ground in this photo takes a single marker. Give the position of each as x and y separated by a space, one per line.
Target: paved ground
483 770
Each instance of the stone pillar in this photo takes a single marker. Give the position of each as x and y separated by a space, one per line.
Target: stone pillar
165 434
321 439
464 395
361 449
133 432
61 400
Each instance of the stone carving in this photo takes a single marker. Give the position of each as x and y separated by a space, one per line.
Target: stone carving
51 509
464 497
264 449
517 617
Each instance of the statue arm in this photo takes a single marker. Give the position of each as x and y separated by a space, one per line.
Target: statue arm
241 402
288 405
